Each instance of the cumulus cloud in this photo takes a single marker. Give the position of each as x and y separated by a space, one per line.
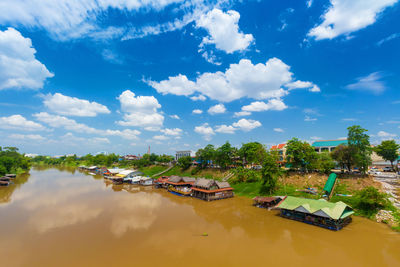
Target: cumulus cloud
225 129
27 137
246 125
176 117
72 106
141 111
160 137
345 17
217 109
371 83
19 67
65 19
223 30
18 122
386 135
303 85
273 104
197 111
278 130
242 113
198 98
178 85
205 130
57 121
173 132
259 81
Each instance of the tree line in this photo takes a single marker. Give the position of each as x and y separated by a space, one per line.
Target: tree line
11 161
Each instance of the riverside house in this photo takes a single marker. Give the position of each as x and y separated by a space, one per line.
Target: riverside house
180 185
208 190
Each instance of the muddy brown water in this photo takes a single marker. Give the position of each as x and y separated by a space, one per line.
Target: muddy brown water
61 217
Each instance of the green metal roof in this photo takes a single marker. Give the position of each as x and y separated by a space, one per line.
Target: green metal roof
327 143
330 183
338 210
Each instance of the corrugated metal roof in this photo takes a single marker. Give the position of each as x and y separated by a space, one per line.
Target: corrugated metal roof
280 146
329 143
338 210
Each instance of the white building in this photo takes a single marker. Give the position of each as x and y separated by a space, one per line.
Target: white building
185 153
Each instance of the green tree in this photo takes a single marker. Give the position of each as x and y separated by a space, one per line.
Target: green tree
185 162
369 201
301 155
360 146
388 150
325 162
344 156
224 155
206 155
270 174
252 152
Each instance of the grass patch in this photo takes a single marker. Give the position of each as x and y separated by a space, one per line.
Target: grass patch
151 170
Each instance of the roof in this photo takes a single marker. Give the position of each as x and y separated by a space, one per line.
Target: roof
203 182
330 183
329 143
222 184
126 172
115 170
280 146
338 210
266 199
188 179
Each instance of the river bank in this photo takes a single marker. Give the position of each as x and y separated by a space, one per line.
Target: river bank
79 220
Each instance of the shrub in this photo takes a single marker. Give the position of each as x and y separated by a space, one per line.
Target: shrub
369 201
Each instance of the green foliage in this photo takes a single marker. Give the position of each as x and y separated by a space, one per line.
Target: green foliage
300 154
345 156
205 155
270 173
11 161
185 162
360 147
224 155
243 175
325 163
369 201
388 150
252 152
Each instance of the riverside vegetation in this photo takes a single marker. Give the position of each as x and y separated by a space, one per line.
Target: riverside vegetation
253 170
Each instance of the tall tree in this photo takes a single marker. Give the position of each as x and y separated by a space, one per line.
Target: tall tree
270 173
361 147
344 156
388 150
205 155
252 152
300 154
224 155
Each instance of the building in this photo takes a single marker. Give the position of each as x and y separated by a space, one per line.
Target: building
333 216
180 185
328 145
131 157
185 153
281 148
208 190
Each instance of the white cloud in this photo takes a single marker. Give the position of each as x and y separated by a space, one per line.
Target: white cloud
18 122
259 81
141 111
176 117
273 104
57 121
223 30
217 109
242 113
72 106
178 85
19 67
173 132
389 38
279 130
160 137
308 118
210 57
303 85
371 83
345 17
205 130
197 111
386 135
27 137
65 19
309 3
246 125
349 119
198 98
225 129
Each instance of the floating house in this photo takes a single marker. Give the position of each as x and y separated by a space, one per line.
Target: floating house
266 202
146 181
208 190
161 182
333 216
180 185
11 175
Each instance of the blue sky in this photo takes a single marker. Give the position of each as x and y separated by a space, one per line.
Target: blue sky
119 76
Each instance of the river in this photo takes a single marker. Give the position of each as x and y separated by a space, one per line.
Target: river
62 217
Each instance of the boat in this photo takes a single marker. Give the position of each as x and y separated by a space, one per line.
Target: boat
208 189
180 185
146 181
4 183
266 202
11 175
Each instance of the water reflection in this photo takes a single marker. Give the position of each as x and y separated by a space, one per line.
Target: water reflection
80 220
7 192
